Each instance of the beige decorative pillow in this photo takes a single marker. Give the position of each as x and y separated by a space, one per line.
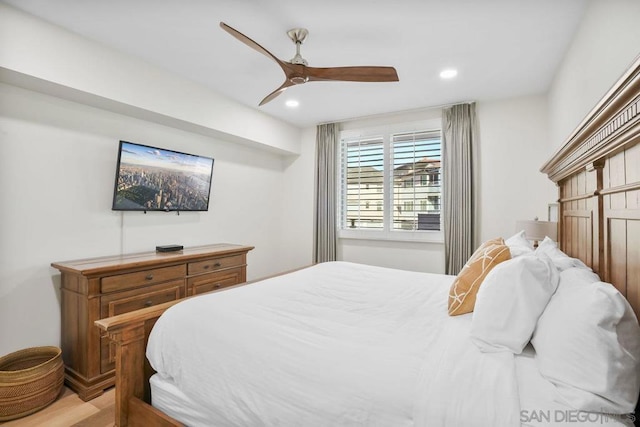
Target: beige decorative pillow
462 295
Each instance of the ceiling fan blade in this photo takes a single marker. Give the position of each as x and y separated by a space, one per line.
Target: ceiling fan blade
276 92
297 72
353 74
249 42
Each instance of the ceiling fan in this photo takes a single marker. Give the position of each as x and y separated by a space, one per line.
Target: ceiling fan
297 71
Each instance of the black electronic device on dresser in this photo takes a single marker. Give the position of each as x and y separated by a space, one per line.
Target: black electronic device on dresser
169 248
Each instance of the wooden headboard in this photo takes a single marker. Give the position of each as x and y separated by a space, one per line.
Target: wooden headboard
598 176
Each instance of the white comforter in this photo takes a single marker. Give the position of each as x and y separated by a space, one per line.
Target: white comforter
337 344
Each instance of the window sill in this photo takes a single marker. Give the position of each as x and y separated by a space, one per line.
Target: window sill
393 236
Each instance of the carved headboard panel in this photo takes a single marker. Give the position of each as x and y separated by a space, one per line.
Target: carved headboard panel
621 219
598 176
579 217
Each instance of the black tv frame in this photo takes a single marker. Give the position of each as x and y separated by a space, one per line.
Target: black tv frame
189 189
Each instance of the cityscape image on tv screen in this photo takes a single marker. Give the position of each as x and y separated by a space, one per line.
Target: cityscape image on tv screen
153 179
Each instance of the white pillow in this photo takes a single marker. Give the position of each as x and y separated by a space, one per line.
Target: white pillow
561 260
579 275
587 344
510 301
519 245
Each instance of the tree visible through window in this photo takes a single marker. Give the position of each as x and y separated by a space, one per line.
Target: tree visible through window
398 172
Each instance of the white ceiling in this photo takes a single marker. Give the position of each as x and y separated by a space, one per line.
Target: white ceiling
501 48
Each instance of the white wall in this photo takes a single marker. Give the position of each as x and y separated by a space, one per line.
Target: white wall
57 168
514 143
58 149
413 256
605 45
298 204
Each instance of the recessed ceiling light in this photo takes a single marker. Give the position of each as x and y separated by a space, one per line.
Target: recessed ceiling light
449 73
292 103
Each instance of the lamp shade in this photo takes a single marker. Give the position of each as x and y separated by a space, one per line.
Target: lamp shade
537 230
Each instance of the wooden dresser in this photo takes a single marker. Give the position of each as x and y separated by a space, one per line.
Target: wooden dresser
96 288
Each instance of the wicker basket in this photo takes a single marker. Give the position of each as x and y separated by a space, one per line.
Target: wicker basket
30 379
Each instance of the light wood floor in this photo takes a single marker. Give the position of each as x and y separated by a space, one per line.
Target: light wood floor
70 411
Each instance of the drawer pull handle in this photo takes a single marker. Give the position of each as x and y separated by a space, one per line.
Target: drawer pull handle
217 285
206 267
149 277
217 264
148 303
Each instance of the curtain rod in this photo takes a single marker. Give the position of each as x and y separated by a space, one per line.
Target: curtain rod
394 113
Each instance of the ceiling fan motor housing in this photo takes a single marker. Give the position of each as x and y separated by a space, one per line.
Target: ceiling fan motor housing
298 80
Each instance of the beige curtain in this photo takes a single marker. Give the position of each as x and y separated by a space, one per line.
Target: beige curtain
326 193
459 152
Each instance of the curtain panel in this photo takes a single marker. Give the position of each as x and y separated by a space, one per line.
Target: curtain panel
459 151
327 136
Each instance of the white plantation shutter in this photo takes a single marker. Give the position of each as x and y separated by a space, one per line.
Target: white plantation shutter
362 182
416 180
391 182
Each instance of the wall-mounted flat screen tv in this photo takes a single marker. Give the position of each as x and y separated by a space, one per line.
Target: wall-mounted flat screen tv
154 179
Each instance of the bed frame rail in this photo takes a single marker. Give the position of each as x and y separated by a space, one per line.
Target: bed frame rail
130 333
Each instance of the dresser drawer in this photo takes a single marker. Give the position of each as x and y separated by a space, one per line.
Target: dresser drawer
211 282
124 302
135 299
214 264
141 278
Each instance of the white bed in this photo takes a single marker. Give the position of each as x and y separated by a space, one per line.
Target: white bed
415 365
342 344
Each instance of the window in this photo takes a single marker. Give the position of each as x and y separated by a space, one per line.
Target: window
397 171
362 161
